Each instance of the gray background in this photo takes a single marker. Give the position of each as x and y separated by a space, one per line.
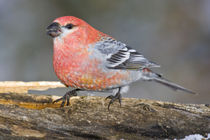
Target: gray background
174 34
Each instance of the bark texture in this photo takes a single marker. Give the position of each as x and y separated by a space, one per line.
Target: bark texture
27 116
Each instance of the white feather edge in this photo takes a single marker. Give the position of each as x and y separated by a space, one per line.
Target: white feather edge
123 59
124 89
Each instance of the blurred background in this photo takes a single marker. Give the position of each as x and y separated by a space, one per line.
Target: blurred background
174 34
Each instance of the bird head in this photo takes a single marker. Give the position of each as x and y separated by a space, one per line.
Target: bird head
65 26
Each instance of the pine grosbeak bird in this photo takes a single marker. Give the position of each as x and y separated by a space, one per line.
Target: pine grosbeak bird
87 59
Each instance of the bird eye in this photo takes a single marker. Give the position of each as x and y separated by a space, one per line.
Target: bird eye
69 26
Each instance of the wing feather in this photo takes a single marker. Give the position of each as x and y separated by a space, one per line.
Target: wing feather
121 56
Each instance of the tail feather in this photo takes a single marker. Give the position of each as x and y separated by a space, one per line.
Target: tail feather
172 85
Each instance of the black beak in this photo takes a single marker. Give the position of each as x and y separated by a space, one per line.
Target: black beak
54 29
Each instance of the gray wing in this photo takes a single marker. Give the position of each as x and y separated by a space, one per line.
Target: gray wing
120 56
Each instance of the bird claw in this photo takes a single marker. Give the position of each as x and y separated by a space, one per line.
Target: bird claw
66 98
114 98
109 97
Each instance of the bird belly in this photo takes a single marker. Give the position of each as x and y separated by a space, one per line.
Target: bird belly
92 82
91 76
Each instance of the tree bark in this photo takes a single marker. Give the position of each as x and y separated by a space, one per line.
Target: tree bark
27 116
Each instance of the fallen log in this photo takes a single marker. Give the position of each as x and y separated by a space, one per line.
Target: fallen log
28 116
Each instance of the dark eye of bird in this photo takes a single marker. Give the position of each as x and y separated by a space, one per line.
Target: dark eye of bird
69 26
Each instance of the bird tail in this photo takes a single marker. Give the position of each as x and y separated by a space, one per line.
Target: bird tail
161 80
151 76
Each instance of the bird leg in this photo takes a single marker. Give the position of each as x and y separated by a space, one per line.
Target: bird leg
67 97
114 98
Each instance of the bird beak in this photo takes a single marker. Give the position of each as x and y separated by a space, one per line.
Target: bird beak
54 29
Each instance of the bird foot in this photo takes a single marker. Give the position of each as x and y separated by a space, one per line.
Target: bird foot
66 97
114 98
